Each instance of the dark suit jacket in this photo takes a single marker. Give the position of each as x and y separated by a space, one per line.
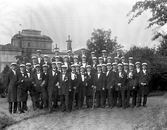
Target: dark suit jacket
99 82
22 87
89 89
111 79
37 82
11 83
132 81
52 80
65 84
122 80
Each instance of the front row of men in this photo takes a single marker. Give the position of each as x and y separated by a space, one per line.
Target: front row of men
78 88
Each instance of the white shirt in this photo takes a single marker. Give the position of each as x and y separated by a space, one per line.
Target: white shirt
88 73
84 64
120 74
53 73
66 64
138 70
39 60
22 73
107 73
38 76
144 71
83 77
72 76
14 72
98 75
63 75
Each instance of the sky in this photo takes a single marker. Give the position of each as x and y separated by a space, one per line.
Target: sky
77 18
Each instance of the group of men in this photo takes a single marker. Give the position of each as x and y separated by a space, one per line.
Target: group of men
89 82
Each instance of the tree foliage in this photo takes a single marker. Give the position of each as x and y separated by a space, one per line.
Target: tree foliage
158 9
156 65
100 40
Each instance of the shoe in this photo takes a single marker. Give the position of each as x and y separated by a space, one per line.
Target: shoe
138 106
50 110
144 106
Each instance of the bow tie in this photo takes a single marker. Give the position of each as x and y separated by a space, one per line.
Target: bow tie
38 72
73 72
54 70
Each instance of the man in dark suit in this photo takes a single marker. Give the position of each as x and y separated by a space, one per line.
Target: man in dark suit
89 87
38 81
53 83
46 61
90 60
57 57
67 63
121 84
64 88
29 84
109 59
131 86
34 63
83 62
110 84
39 58
144 85
131 59
70 57
12 88
82 78
104 55
99 85
74 86
94 65
138 71
22 90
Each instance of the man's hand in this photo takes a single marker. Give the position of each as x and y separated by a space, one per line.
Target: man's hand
133 87
119 84
75 87
70 89
110 86
58 86
103 88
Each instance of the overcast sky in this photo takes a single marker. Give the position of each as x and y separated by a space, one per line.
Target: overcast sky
77 18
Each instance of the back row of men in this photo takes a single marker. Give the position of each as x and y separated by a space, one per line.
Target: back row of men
77 84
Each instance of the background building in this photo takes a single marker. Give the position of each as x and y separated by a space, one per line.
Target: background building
33 40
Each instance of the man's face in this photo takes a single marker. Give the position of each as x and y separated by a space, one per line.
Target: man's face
66 59
131 67
109 67
45 69
103 68
13 67
88 69
123 60
69 53
130 61
82 70
75 60
56 53
28 67
116 60
63 69
37 68
109 60
77 68
118 53
126 67
58 65
137 66
57 59
53 66
100 61
98 69
45 59
144 66
94 61
114 67
73 69
92 54
83 59
119 68
39 54
104 54
22 69
34 60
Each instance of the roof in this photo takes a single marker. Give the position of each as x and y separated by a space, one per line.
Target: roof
9 47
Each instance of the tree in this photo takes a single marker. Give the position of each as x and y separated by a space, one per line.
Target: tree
158 8
100 40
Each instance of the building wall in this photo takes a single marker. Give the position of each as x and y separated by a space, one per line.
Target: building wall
7 57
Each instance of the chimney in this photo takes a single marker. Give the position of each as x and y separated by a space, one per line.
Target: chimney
69 41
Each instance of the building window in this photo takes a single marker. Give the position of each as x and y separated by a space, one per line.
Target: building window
37 45
28 44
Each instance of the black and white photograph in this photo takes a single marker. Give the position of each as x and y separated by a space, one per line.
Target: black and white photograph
83 64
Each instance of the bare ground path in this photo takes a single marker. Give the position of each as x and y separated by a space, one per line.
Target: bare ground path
98 119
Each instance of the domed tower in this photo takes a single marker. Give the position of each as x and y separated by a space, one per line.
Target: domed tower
69 41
